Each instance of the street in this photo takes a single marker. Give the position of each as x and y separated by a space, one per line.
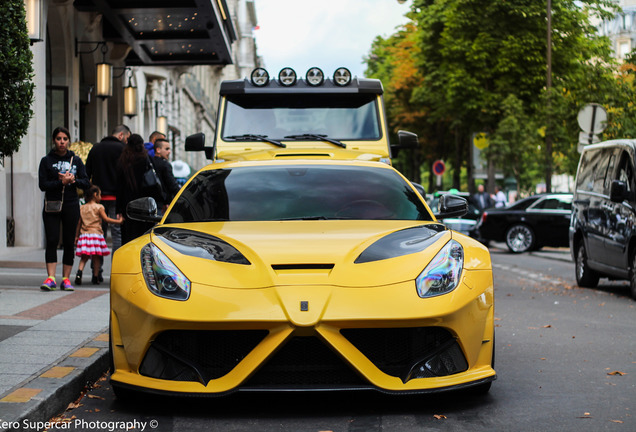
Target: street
564 357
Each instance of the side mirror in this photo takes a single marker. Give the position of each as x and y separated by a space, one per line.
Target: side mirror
196 142
405 140
618 191
143 209
451 206
420 189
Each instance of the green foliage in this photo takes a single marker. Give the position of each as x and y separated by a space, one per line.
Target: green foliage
16 74
515 146
482 67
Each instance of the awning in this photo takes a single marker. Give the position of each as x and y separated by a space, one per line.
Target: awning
167 32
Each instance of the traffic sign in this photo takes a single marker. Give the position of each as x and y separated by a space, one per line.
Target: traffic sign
439 167
592 118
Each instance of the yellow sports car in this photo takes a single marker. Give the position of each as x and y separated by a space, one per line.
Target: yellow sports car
319 268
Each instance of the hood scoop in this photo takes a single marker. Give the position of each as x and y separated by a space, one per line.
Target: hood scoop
302 266
304 269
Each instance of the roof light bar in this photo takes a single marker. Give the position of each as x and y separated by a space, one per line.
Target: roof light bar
260 77
315 76
287 77
342 77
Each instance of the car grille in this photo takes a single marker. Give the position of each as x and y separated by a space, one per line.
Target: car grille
398 351
303 361
200 355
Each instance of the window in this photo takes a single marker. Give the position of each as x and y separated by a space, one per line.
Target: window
297 192
555 203
354 117
626 171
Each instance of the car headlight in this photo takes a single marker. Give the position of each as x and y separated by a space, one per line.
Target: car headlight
162 277
442 274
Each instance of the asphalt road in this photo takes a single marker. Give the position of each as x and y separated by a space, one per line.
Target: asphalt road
565 359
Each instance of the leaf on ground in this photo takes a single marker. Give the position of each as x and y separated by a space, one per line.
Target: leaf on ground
586 415
617 373
547 326
617 421
92 396
73 405
439 416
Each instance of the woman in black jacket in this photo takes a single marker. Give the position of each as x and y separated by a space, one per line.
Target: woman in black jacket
59 175
130 171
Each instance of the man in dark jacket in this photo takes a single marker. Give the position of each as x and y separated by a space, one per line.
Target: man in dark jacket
164 171
100 167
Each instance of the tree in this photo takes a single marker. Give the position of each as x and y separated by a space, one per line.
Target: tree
516 145
392 60
16 74
473 54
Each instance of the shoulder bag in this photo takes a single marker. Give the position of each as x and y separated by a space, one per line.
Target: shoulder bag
151 185
55 206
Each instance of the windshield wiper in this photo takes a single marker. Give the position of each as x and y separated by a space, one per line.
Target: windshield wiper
262 138
320 137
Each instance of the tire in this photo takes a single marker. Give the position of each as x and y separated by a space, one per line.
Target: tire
520 238
632 277
585 276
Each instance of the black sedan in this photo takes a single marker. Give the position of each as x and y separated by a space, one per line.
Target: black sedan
529 224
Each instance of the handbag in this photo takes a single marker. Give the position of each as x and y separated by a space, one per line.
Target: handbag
55 206
150 184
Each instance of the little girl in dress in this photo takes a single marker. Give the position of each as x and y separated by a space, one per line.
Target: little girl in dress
89 239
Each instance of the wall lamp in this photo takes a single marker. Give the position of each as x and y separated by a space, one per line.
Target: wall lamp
104 86
130 92
162 120
33 10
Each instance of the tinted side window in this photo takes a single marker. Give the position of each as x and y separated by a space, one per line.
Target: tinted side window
626 171
556 203
593 170
585 177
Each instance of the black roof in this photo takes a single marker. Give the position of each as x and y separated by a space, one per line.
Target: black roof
357 85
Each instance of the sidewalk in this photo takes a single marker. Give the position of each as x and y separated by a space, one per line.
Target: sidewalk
52 344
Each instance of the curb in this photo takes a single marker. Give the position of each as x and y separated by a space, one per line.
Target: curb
52 395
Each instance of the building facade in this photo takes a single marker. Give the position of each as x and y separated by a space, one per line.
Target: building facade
175 57
621 29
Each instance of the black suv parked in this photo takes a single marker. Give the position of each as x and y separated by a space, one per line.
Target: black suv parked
602 228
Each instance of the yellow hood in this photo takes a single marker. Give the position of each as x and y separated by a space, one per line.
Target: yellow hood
301 253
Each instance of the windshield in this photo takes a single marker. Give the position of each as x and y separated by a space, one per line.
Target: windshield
344 117
290 192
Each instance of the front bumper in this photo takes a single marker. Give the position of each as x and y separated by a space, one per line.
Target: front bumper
313 337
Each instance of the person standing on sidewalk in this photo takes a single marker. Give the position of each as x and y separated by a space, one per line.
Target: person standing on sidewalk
130 172
164 171
89 237
59 175
101 167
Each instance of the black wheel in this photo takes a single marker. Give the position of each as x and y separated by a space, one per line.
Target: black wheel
632 278
585 276
520 238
